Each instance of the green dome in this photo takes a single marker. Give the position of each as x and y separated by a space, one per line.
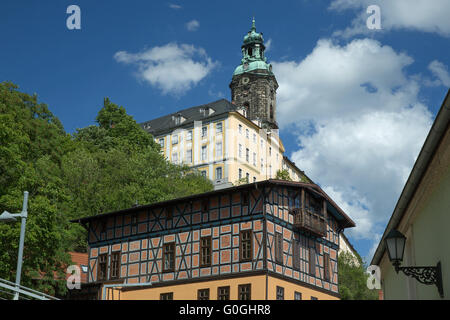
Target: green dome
253 36
253 53
252 66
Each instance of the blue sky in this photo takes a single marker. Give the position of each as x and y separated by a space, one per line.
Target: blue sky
369 96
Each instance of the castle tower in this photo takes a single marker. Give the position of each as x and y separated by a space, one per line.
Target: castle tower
253 86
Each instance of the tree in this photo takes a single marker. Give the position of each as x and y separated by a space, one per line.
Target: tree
353 278
283 175
99 169
32 144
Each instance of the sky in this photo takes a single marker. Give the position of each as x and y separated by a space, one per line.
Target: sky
354 103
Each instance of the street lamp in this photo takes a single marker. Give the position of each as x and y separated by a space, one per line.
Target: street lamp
395 243
11 217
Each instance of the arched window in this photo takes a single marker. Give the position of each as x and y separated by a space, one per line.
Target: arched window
250 52
271 112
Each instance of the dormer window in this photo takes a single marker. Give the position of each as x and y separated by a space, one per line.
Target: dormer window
178 118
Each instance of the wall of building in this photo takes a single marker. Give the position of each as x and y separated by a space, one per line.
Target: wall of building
265 152
290 288
189 291
139 239
425 224
280 220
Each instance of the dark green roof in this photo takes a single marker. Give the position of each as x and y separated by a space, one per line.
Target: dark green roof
168 123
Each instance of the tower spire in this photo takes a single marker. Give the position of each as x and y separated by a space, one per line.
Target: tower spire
253 24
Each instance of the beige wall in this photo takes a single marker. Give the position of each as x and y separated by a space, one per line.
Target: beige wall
188 291
271 151
425 224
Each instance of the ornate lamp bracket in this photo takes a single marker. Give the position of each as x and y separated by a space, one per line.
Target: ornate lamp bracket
425 275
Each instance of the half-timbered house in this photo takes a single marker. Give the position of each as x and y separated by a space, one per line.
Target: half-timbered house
272 239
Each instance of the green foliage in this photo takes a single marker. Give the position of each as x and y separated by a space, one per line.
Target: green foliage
353 278
241 181
283 175
99 169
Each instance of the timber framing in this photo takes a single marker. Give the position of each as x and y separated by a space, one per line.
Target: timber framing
240 219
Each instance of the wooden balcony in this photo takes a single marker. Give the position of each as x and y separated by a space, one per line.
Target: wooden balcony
306 220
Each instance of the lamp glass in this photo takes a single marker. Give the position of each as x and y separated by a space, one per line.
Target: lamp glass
395 243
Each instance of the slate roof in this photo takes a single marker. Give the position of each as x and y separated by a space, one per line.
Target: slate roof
167 123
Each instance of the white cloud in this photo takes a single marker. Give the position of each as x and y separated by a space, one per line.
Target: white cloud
193 25
268 44
419 15
174 6
440 71
172 68
359 123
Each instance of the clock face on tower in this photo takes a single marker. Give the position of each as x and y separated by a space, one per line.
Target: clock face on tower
245 80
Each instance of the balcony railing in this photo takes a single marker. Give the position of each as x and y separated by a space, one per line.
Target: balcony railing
306 220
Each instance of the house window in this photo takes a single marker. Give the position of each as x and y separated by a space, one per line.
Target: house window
205 251
246 245
101 269
244 292
270 151
134 224
254 159
189 135
223 293
247 155
240 150
115 265
246 133
175 157
218 149
240 128
203 172
254 179
169 256
219 127
204 131
219 173
297 295
280 293
254 138
205 206
326 266
240 174
161 142
262 165
203 294
312 262
189 156
314 298
166 296
103 229
175 139
245 198
204 153
278 248
247 177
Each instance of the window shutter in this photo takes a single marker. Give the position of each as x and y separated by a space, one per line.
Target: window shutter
279 248
312 261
